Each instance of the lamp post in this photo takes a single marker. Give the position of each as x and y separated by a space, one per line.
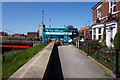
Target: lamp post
43 17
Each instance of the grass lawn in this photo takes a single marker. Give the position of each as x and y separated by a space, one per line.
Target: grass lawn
15 59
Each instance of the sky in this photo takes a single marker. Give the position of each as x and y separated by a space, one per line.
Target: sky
50 0
23 17
0 14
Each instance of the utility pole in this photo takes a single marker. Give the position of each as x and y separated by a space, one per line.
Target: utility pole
85 24
43 17
64 26
50 22
88 23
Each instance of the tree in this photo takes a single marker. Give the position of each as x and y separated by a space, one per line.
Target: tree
81 36
104 35
4 33
117 41
70 26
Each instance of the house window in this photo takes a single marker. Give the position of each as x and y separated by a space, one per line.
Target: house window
94 31
94 37
112 6
99 12
99 37
99 30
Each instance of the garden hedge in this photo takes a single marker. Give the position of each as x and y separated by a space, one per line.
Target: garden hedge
117 40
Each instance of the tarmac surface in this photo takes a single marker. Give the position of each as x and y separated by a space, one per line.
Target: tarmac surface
76 65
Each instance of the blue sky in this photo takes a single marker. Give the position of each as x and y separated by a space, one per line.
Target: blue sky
23 17
0 14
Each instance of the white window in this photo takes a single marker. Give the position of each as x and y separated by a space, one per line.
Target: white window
112 6
94 37
99 30
99 37
94 30
99 13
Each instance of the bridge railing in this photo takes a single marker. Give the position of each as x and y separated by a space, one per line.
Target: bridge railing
27 41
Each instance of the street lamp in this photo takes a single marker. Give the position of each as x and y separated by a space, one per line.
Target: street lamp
43 17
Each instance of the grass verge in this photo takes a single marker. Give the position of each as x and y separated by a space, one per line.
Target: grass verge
17 59
107 75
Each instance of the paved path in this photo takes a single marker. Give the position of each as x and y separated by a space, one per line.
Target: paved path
76 65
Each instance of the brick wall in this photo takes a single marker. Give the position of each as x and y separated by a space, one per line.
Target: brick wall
118 9
94 15
104 10
118 6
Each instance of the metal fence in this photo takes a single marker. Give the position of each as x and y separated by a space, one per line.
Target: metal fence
106 56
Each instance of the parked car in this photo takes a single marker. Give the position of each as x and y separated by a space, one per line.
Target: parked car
70 41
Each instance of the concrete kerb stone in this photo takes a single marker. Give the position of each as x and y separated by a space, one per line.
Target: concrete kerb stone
36 67
104 68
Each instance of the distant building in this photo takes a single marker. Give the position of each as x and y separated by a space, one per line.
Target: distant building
106 13
33 35
87 32
18 35
41 30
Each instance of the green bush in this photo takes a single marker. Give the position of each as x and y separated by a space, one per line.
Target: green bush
95 44
117 40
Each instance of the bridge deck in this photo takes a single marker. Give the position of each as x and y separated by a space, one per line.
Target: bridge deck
76 65
64 62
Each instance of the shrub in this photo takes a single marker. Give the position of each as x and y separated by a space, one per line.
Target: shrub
117 40
94 44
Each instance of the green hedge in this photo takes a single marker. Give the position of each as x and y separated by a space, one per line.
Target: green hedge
117 40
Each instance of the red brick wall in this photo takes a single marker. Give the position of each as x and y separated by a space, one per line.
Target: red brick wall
104 10
118 6
88 34
94 14
118 9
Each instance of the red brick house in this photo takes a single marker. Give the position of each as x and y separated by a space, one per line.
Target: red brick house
87 32
18 35
106 13
33 35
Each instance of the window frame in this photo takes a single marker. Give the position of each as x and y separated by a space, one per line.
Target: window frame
100 30
112 6
99 12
